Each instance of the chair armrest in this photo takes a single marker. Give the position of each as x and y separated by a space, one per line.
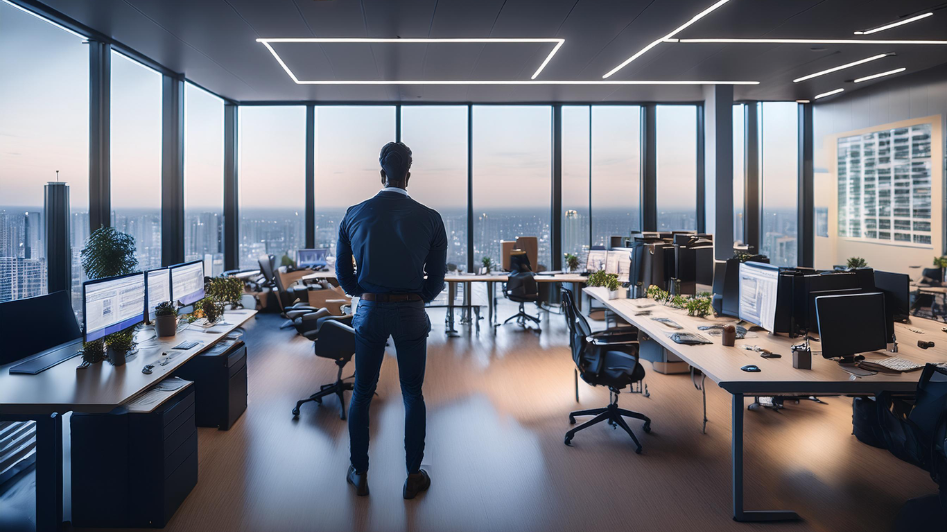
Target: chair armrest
602 342
614 335
315 315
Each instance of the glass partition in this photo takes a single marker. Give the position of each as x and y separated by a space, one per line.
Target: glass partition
203 176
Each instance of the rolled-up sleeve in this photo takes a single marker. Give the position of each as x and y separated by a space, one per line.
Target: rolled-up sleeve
436 263
344 266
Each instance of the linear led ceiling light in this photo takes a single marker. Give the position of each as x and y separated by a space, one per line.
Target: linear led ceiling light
803 41
881 75
893 24
641 52
531 81
830 93
840 67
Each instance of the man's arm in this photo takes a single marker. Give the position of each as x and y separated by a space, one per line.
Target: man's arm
344 266
435 264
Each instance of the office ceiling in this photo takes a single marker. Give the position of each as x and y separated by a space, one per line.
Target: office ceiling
213 42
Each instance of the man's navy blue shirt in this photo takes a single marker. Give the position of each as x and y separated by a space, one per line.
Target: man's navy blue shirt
394 240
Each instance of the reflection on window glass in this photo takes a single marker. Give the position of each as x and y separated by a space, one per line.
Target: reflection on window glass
779 181
348 142
616 172
203 177
272 183
575 181
677 167
739 176
44 129
512 178
437 136
136 156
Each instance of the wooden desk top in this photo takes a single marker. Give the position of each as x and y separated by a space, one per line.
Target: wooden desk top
722 364
476 278
102 387
930 289
315 276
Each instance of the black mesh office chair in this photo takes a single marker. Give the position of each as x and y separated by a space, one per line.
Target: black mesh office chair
608 359
521 287
334 340
287 300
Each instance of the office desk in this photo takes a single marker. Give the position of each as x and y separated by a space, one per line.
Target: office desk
318 276
100 388
777 376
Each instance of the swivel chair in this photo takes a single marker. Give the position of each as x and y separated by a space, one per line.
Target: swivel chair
293 310
521 287
336 341
604 359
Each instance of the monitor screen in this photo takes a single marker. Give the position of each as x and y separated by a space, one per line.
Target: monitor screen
24 335
187 282
311 258
158 288
758 287
897 290
596 260
851 324
618 262
113 304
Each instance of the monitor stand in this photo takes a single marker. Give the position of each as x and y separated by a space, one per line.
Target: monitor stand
851 360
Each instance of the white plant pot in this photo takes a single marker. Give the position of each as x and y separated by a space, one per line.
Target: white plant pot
613 294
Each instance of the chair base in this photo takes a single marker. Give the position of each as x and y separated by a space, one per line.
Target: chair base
522 317
615 417
339 387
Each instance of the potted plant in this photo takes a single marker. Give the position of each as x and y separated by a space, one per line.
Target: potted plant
487 264
572 262
212 309
698 306
225 290
608 281
856 262
941 262
107 253
166 319
119 345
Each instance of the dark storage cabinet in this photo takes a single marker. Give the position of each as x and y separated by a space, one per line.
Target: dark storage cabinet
133 470
220 380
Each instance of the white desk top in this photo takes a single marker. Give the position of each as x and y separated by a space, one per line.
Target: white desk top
722 364
101 387
476 278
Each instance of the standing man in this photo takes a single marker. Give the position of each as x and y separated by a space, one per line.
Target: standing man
394 241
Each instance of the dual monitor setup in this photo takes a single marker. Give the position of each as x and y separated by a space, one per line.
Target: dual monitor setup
681 261
114 304
853 311
311 258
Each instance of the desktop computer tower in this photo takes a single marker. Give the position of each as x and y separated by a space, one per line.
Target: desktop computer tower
220 380
133 470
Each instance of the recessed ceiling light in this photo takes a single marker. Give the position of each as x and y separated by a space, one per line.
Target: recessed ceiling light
531 81
894 24
830 93
880 75
840 67
641 52
803 41
802 101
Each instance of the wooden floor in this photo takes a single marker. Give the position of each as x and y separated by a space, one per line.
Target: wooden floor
497 412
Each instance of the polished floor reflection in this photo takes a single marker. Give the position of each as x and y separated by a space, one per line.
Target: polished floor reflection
497 412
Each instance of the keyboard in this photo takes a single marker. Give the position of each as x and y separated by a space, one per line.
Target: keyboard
897 364
50 358
187 345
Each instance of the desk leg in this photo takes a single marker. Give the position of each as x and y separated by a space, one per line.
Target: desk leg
465 314
736 447
49 496
577 295
451 294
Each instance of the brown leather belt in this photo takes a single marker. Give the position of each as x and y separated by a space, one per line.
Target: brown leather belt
390 298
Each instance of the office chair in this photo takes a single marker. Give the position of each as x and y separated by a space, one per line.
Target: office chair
336 341
289 312
604 359
931 277
521 287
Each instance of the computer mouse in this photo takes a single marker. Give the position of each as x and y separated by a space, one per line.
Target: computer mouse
751 368
147 369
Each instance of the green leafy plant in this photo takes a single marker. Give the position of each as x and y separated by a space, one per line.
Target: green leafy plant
607 280
122 341
225 290
487 263
451 267
108 253
679 301
212 309
940 262
856 262
166 309
93 352
286 261
656 293
742 256
572 261
698 306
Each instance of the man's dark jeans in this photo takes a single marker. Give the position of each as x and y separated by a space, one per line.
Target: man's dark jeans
408 324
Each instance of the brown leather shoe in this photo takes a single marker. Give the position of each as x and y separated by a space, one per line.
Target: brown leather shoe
359 480
416 483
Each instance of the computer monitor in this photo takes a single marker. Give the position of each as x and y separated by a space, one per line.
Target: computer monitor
897 290
187 282
311 258
36 324
618 262
758 288
596 260
851 324
158 289
112 304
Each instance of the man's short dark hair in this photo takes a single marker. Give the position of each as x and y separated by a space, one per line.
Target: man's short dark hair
395 160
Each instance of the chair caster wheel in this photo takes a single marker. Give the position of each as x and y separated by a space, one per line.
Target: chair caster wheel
638 450
568 441
571 420
296 412
647 428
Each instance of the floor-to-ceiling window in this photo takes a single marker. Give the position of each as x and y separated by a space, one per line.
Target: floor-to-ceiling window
779 154
616 172
576 146
44 136
136 156
677 167
739 172
512 178
437 136
272 182
348 141
203 176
